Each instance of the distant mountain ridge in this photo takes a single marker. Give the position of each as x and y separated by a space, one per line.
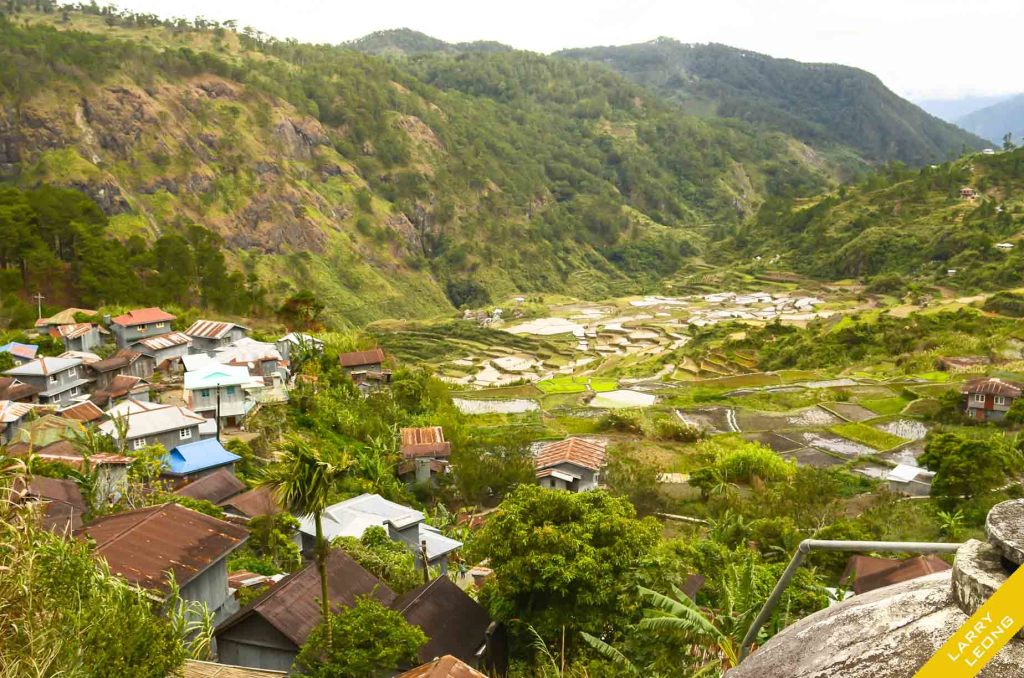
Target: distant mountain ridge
995 121
951 110
405 41
824 105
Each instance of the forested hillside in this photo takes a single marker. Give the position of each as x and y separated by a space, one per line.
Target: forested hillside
825 105
996 121
388 189
899 224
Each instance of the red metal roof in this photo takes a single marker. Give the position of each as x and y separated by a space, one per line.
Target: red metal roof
583 453
143 316
144 544
426 441
87 411
993 386
867 573
443 667
374 356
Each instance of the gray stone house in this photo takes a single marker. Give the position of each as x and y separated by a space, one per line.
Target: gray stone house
153 423
60 380
208 335
141 323
145 544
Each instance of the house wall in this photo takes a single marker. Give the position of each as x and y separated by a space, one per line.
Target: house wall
173 353
125 336
62 384
256 644
86 342
211 587
989 409
206 345
111 482
232 401
169 439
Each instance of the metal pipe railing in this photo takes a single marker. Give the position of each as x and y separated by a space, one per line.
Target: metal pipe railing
808 545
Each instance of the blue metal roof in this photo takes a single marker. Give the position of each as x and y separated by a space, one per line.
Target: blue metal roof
198 456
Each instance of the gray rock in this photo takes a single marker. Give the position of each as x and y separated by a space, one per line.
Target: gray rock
1005 529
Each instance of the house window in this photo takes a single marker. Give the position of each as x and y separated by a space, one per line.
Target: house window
140 328
185 433
72 373
230 390
1000 400
138 443
54 379
159 325
205 393
74 391
977 398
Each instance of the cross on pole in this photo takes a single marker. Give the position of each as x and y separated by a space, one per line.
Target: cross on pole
39 304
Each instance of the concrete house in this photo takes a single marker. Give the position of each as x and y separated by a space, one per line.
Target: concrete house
60 380
989 399
295 341
208 335
573 464
20 353
153 424
143 545
216 391
191 461
141 323
79 336
350 518
268 633
165 350
425 453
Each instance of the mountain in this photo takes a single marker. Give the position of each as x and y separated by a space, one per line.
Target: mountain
827 106
997 120
407 42
902 225
399 188
951 110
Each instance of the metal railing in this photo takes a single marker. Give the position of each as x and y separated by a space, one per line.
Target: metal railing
808 545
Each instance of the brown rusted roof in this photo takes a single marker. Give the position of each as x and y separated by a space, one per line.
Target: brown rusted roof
198 669
426 441
142 545
65 317
867 573
993 386
214 487
164 341
577 451
258 502
454 623
118 361
443 667
85 411
374 356
12 389
210 329
64 505
142 316
291 606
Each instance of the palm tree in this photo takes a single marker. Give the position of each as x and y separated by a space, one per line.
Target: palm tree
680 613
303 480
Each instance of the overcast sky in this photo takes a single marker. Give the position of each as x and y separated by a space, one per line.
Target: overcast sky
919 48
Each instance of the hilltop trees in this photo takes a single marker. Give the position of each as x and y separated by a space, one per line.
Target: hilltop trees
966 467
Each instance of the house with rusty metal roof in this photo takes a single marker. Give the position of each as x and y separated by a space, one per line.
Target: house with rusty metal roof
141 323
424 452
60 500
366 368
13 416
18 391
268 633
989 399
867 573
208 335
146 545
69 316
166 350
454 623
573 464
111 468
215 487
21 353
79 336
443 667
257 502
86 412
125 362
60 380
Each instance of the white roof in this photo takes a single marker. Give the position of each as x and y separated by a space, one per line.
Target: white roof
247 350
437 544
904 473
216 375
351 517
84 356
195 361
298 338
151 422
12 411
42 367
132 406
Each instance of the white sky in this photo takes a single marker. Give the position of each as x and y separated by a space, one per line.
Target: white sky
919 48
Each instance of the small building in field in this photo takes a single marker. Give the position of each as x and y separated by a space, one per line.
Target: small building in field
425 453
218 391
366 368
143 545
142 323
153 423
215 487
988 399
190 462
20 353
268 633
165 350
968 193
208 335
573 464
352 517
79 336
60 380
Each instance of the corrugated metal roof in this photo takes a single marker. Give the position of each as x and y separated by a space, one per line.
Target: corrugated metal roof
165 341
427 441
65 317
64 503
359 358
583 453
454 623
213 376
867 573
211 329
144 544
43 367
351 517
198 456
23 351
214 487
291 606
73 331
152 421
85 411
198 669
12 389
258 502
444 667
11 411
143 316
993 386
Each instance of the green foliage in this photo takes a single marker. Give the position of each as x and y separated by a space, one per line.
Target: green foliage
868 435
564 560
634 479
966 467
1006 303
376 640
271 537
742 463
489 466
383 557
